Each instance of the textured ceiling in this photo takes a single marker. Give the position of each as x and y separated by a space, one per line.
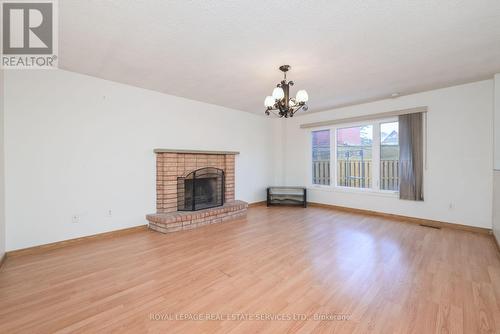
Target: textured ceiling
227 52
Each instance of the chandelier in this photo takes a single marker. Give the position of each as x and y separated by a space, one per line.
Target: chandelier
280 102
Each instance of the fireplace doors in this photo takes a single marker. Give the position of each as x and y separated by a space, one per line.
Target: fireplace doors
200 189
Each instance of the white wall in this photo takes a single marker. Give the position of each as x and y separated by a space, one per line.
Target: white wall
78 145
496 175
497 121
278 128
458 180
496 204
2 185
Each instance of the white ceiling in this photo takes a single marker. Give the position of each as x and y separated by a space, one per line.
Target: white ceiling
228 52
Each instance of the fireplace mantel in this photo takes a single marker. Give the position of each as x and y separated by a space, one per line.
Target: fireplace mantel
169 150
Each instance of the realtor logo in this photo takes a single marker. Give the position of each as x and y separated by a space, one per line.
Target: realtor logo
29 34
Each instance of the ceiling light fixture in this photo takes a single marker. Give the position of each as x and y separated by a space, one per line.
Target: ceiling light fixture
280 100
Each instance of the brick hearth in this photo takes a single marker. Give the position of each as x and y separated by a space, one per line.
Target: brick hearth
171 164
186 220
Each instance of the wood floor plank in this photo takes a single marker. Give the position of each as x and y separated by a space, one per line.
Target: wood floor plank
282 269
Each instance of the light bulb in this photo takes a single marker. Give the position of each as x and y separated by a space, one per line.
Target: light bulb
278 93
302 96
269 101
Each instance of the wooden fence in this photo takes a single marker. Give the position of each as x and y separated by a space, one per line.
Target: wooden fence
354 173
358 174
321 172
389 174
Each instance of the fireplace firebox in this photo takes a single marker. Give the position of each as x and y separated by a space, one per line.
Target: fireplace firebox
200 189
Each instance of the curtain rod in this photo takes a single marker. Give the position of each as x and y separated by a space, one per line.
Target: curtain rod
365 117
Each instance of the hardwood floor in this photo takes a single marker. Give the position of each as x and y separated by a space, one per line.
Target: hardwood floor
373 274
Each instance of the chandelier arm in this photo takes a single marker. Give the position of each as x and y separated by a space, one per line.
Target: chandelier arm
300 107
280 107
275 114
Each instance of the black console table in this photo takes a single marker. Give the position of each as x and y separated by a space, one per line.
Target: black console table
287 195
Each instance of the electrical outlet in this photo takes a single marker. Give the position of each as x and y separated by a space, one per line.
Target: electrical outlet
110 213
75 219
451 206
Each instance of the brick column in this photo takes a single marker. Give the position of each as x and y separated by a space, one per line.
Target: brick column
166 182
229 175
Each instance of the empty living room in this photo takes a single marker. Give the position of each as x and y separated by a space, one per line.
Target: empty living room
250 166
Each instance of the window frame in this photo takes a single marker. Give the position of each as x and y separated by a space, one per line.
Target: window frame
310 160
394 119
333 186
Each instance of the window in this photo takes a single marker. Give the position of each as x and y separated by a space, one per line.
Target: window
321 157
389 156
366 155
354 156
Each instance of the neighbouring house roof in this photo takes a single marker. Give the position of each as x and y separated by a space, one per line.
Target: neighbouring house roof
391 138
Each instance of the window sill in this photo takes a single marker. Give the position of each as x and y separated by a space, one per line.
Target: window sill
370 192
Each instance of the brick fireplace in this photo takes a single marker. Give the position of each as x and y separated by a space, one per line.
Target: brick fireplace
174 168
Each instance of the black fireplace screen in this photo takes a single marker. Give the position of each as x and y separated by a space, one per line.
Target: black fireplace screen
201 189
